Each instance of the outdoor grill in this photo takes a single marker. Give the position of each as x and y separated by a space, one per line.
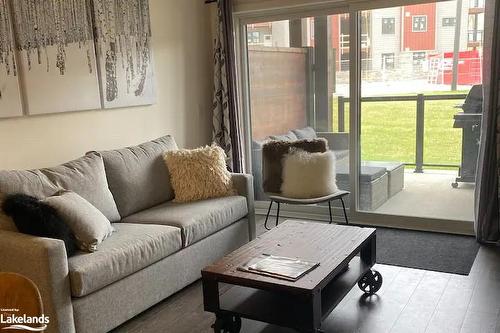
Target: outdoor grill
470 122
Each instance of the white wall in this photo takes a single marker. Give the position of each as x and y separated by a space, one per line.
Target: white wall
281 33
445 36
182 50
385 43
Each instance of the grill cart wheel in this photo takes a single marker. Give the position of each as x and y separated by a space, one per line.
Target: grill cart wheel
227 324
371 282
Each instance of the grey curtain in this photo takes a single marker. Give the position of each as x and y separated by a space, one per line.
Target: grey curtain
487 215
226 123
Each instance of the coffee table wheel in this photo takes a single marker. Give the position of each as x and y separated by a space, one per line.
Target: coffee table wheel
227 324
371 282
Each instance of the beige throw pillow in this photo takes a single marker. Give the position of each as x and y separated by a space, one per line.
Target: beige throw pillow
198 174
308 175
6 222
88 224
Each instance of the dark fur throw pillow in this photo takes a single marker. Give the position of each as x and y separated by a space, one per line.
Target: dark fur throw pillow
33 217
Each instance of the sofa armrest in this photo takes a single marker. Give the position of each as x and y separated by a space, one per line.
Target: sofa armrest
44 261
336 140
243 184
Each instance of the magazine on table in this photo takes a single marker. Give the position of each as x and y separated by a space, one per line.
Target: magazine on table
285 268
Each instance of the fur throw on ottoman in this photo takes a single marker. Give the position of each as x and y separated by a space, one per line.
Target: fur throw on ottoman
308 175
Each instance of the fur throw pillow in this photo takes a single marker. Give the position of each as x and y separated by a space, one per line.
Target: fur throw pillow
272 159
33 217
308 175
199 174
6 222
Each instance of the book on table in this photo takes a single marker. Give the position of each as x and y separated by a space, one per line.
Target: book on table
285 268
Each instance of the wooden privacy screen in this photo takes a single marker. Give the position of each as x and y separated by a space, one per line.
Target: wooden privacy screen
278 89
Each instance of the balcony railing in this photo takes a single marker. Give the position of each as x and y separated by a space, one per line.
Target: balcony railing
420 100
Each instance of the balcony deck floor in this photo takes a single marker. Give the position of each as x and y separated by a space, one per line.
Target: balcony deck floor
430 194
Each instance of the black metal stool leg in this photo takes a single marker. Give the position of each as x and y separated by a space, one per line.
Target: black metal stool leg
267 216
343 207
330 210
278 214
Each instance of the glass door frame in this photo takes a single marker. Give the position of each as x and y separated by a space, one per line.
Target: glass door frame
356 216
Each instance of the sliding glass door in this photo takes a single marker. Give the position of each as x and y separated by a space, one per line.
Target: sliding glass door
420 110
396 92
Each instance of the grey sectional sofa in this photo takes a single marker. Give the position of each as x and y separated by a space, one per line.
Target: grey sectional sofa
158 248
378 180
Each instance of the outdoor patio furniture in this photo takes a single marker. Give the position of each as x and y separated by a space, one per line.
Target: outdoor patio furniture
378 181
272 178
337 142
373 184
395 174
339 195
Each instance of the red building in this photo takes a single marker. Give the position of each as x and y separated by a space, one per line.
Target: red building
419 27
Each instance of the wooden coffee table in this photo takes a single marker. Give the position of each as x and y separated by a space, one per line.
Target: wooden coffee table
305 303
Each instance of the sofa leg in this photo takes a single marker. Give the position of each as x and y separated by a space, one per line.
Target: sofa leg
330 211
343 207
278 214
267 216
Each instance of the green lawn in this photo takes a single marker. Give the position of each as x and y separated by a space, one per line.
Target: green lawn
388 131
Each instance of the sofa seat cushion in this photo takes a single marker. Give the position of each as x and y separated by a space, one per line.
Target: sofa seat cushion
368 173
131 248
197 219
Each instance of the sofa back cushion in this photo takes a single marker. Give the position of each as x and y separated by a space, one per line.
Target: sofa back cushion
86 177
290 136
138 177
305 133
29 182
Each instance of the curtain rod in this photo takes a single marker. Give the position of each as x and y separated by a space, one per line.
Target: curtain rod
210 1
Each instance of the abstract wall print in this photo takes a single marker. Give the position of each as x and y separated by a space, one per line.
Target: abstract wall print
57 62
123 44
10 94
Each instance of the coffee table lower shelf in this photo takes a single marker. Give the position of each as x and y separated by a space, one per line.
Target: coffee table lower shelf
284 309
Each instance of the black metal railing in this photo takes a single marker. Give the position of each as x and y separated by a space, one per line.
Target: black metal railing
420 120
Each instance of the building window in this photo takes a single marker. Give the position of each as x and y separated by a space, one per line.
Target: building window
387 60
476 4
388 25
449 21
253 37
419 23
418 60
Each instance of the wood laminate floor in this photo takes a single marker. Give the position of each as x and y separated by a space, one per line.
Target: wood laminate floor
410 300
